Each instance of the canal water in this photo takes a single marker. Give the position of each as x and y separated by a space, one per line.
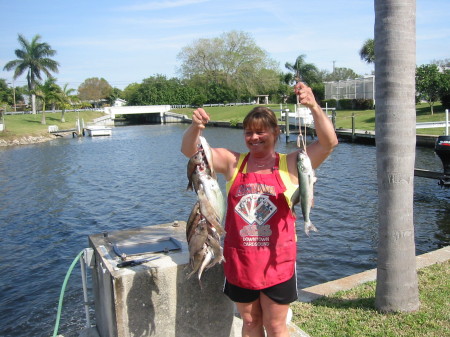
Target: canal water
54 195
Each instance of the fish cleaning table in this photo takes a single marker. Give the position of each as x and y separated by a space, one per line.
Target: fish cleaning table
152 296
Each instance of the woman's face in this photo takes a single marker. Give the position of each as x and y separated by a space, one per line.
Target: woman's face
259 139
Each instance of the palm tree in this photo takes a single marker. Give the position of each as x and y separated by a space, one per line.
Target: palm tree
367 51
33 57
395 65
49 92
305 72
67 99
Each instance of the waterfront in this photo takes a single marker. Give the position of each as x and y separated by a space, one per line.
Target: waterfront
53 195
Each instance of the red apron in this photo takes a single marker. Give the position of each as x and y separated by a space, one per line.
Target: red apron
259 248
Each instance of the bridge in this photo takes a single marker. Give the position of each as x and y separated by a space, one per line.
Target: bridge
159 113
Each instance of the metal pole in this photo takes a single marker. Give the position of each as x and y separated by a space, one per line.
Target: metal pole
353 127
286 118
85 296
446 122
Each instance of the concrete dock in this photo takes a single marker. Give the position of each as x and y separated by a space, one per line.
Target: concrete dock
156 299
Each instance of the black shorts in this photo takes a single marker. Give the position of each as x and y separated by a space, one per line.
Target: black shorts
282 293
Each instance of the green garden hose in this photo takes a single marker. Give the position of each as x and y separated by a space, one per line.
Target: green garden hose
63 288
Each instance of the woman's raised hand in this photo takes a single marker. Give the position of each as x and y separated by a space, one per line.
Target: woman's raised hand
305 95
200 118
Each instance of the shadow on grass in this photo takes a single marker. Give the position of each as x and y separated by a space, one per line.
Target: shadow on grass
370 120
48 119
339 303
425 110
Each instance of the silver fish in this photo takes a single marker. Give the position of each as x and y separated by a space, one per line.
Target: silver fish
208 156
208 211
203 229
305 192
214 195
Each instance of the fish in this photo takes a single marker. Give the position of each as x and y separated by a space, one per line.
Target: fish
194 219
208 211
204 226
213 193
208 156
198 240
305 191
194 165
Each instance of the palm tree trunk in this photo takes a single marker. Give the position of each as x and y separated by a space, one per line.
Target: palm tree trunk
43 113
395 64
33 103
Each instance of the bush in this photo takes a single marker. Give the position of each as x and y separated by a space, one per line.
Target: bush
345 104
332 103
355 104
445 100
363 104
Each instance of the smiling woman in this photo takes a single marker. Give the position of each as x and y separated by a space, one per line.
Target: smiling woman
260 242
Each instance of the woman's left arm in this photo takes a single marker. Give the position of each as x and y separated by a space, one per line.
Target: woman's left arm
326 141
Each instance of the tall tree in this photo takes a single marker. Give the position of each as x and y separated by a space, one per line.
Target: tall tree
67 99
49 92
395 65
94 89
306 72
232 60
33 57
367 51
428 83
340 74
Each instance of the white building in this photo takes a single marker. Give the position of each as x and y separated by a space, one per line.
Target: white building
349 89
120 102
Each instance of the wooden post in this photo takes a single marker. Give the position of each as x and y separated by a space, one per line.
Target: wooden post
333 118
353 127
286 118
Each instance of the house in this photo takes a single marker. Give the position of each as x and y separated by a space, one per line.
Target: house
120 102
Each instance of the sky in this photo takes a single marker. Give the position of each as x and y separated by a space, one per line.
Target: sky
127 41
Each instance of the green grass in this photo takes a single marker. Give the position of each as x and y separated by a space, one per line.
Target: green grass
353 313
231 113
364 120
24 125
30 125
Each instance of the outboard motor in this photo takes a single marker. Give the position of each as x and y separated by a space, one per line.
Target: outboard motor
442 149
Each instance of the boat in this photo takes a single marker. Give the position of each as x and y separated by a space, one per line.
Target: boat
301 117
98 130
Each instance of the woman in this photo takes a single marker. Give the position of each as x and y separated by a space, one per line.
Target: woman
259 247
